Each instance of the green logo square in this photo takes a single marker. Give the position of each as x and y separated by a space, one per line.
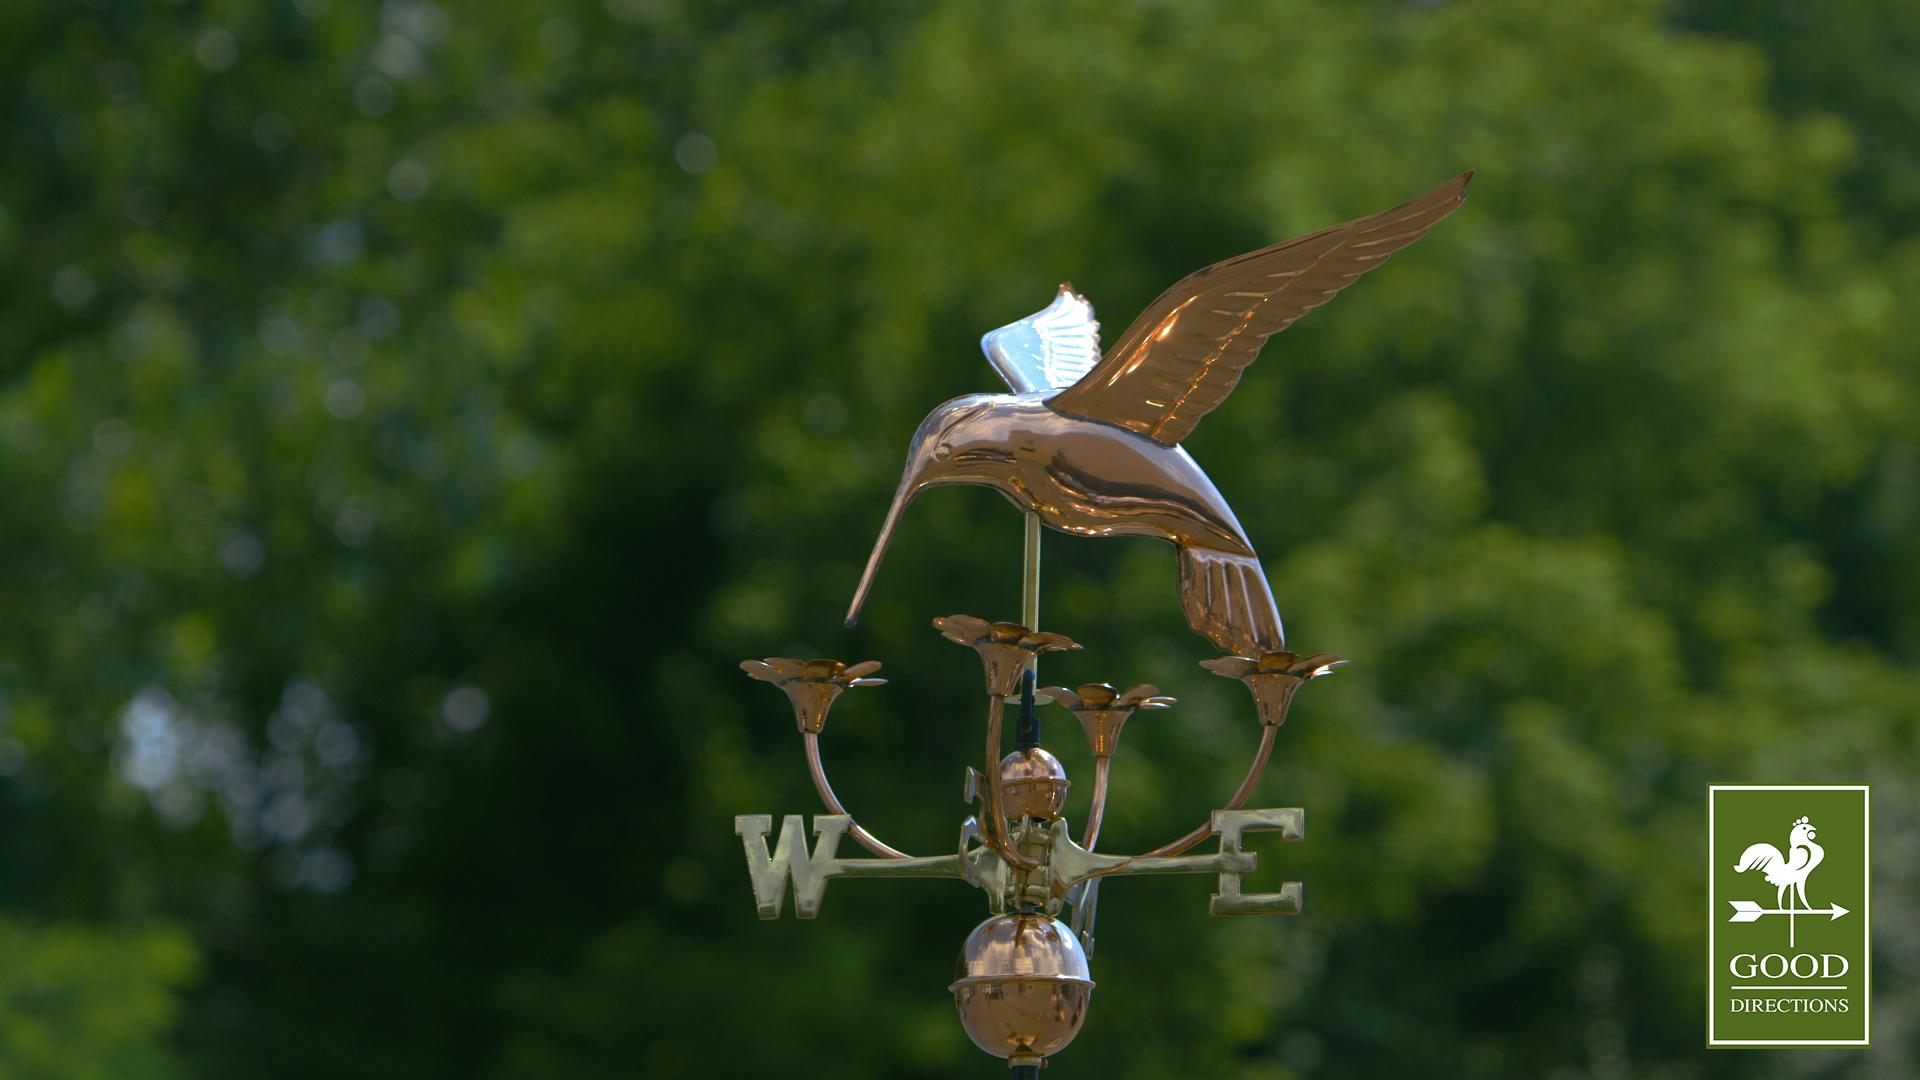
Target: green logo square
1788 962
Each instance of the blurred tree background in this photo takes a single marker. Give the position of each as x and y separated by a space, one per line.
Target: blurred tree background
410 413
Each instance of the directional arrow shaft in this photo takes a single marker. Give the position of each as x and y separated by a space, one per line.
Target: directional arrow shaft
1748 911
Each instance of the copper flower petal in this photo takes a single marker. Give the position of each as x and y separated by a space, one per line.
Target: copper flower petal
1273 678
774 669
810 685
1278 663
1231 667
1042 641
1006 649
1318 664
1062 696
962 629
861 670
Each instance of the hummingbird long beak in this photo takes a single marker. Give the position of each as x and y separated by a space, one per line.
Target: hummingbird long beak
909 487
926 466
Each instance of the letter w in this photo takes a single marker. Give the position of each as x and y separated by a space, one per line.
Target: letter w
810 872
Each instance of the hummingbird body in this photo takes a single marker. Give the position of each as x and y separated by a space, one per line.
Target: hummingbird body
1091 443
1081 476
1091 478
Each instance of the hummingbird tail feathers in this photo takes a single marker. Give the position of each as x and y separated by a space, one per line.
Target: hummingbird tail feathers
1227 601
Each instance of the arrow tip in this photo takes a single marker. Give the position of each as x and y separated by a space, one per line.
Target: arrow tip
1837 912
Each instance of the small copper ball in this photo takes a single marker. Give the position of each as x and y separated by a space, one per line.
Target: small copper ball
1033 784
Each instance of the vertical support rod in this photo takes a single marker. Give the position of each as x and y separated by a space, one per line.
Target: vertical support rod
1029 726
1030 578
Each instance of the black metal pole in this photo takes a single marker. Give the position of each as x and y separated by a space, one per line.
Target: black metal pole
1026 734
1024 1072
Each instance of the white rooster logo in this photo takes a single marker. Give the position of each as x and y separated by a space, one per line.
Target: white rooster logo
1784 872
1790 870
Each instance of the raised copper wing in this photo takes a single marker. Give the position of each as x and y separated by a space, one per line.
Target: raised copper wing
1184 354
1092 449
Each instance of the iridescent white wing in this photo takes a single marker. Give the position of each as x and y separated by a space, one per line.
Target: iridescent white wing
1049 349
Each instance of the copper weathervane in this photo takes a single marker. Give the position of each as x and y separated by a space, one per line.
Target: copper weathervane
1089 445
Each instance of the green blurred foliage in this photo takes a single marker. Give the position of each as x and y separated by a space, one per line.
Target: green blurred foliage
83 1003
409 414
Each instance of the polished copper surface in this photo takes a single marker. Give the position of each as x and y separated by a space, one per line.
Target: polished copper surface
1006 649
994 829
1101 457
1022 986
1087 445
1183 355
1238 799
1097 806
1087 906
1094 479
818 772
811 685
1273 677
1103 710
1033 784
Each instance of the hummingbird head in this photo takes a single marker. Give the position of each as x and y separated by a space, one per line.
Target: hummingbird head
955 444
957 439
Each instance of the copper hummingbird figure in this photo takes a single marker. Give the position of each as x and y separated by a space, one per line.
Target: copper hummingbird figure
1091 444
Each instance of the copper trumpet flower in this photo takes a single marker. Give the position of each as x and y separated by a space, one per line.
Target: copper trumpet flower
812 684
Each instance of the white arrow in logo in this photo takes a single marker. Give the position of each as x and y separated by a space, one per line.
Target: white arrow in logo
1748 911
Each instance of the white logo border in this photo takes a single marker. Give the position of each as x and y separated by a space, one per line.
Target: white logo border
1866 917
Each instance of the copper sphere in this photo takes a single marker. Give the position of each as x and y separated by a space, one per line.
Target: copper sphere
1022 987
1033 784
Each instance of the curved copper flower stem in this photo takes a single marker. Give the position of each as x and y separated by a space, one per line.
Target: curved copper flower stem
1084 908
1098 809
1090 896
995 831
860 836
1239 799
